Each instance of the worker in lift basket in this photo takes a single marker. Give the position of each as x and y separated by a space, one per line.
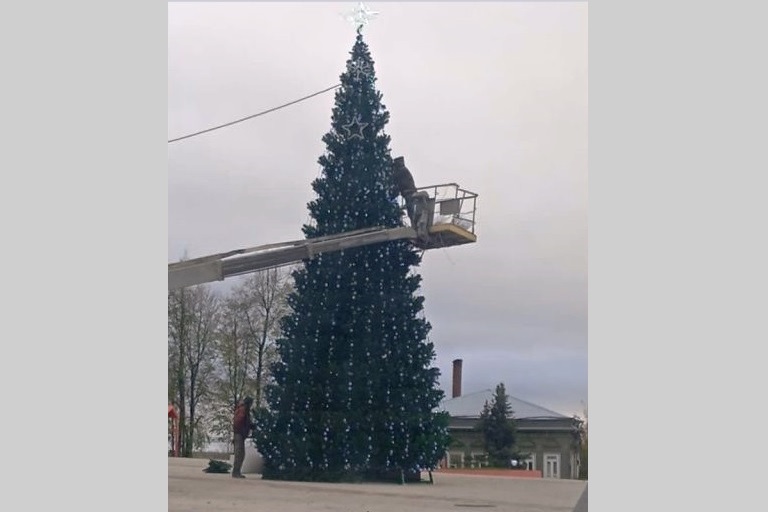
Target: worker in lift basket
415 201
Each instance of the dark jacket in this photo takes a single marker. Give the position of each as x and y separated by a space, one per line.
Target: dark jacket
242 422
404 180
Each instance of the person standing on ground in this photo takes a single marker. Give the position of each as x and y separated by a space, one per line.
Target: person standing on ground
241 426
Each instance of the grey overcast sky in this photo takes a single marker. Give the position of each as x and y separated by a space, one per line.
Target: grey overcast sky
492 96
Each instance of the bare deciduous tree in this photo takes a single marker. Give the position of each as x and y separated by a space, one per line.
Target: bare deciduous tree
219 350
192 320
235 353
178 323
263 299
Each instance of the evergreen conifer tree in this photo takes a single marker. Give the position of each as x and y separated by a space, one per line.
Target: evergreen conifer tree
499 429
354 392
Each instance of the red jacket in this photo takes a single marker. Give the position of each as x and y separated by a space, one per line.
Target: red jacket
242 421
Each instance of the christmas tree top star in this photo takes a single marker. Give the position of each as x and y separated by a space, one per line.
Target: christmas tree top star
360 16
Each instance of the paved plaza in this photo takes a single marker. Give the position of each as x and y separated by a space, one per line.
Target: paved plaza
192 490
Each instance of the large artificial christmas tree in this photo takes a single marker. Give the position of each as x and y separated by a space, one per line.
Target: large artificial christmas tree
354 392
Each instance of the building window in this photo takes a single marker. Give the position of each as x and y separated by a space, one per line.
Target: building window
530 462
455 459
478 459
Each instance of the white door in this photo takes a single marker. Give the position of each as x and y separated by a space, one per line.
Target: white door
551 465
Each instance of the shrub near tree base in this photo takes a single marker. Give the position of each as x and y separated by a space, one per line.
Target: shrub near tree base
217 466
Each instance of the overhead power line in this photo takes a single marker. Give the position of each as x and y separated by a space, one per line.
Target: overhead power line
254 115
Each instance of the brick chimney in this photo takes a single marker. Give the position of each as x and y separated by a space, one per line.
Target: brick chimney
456 377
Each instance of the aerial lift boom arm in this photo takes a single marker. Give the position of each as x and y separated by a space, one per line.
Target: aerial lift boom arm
243 261
449 221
